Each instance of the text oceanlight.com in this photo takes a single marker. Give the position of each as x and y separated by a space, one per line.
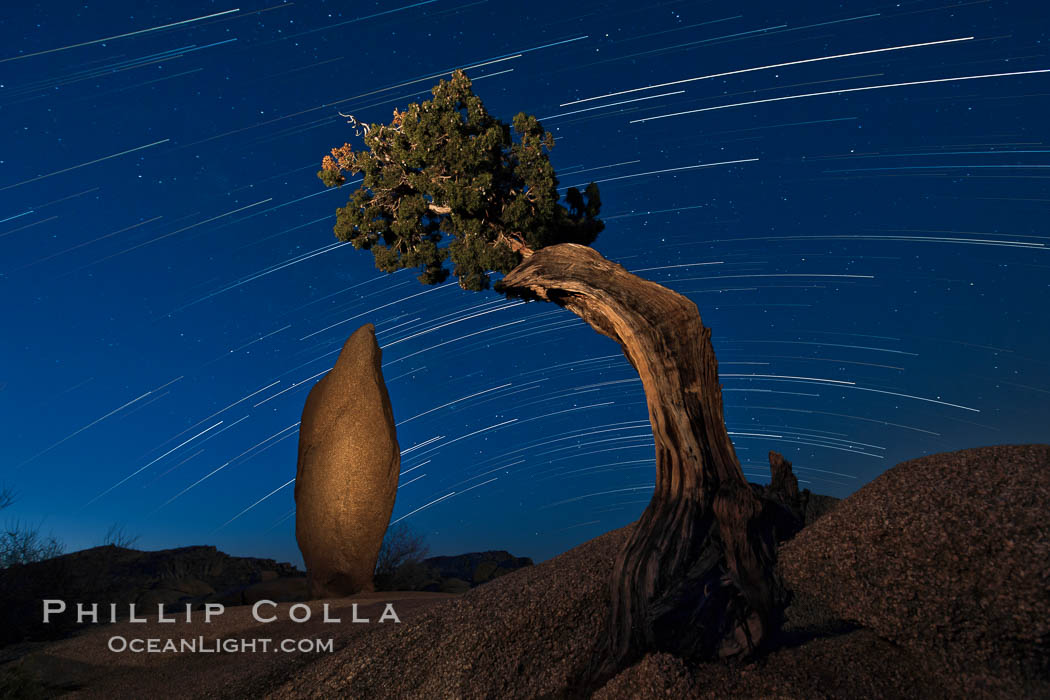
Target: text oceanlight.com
214 646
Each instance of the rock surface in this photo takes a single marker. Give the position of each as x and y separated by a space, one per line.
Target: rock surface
522 635
110 574
519 636
947 555
347 475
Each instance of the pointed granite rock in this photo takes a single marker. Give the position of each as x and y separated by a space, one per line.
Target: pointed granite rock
348 470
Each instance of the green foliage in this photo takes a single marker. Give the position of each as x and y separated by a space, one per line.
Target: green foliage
446 182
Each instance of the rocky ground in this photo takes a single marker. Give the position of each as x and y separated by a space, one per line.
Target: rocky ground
933 581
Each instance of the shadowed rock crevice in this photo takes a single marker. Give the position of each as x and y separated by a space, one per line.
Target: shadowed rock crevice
347 475
785 510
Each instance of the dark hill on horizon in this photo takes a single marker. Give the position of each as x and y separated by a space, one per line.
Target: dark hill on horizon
463 571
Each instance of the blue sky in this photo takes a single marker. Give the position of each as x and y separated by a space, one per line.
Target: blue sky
855 197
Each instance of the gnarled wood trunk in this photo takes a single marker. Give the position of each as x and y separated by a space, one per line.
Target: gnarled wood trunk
696 576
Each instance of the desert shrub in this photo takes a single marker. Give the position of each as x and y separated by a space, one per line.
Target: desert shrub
22 544
119 537
400 564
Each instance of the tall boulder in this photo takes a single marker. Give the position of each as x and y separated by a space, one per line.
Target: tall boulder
347 476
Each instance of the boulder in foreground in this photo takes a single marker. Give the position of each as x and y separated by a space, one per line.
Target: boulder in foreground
947 554
522 635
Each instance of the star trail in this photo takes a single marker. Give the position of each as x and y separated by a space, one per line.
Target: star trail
855 200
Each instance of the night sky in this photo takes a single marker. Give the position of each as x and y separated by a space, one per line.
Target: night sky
854 195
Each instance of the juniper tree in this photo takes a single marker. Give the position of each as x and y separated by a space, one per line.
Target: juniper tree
446 170
447 184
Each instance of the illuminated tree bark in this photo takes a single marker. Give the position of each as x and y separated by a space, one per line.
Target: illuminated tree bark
696 577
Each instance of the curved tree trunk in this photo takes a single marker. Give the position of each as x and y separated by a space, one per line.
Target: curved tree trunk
696 576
